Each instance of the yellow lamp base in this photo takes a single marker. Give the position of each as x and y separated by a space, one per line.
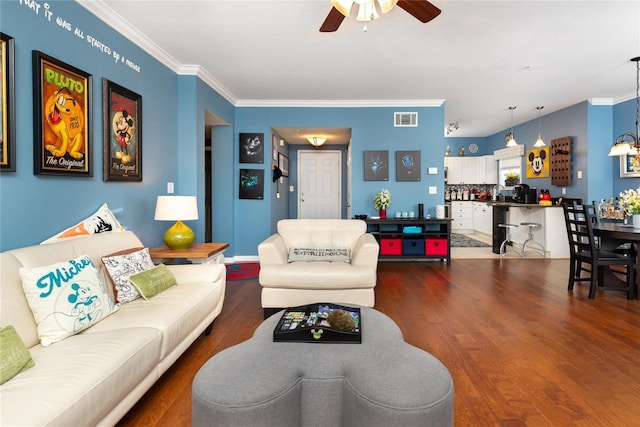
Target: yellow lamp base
179 237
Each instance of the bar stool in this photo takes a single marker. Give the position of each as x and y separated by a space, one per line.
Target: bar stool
507 240
531 245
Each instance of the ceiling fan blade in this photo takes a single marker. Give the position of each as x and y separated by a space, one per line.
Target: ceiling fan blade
422 10
332 22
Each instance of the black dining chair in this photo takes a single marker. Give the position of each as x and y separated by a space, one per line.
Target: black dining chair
583 249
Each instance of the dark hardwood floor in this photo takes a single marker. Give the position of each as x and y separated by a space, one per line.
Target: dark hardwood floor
522 350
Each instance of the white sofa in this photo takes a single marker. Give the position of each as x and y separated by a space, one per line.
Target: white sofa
290 284
95 377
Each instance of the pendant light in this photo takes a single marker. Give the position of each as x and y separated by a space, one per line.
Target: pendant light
511 140
539 141
622 145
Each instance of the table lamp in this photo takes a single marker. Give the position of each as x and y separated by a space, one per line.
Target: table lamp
177 208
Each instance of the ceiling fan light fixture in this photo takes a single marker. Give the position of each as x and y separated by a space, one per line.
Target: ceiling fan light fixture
622 145
316 141
386 5
539 142
367 11
343 6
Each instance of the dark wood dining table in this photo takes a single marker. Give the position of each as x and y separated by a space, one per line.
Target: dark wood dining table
613 234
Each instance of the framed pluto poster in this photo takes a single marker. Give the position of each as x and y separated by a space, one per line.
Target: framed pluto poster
62 118
122 127
7 105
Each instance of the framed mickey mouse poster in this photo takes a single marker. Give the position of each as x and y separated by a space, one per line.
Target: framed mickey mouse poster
538 164
122 133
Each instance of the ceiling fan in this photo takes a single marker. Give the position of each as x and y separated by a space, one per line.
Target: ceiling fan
422 10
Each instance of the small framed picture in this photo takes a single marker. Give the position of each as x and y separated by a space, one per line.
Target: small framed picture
630 166
376 166
408 166
251 184
122 138
62 118
274 147
283 164
251 148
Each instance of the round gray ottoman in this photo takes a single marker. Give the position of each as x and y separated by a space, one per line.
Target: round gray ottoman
381 382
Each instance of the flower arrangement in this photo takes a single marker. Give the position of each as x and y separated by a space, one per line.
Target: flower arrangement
630 201
511 178
382 200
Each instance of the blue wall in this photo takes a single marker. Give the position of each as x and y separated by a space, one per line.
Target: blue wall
371 129
36 207
33 208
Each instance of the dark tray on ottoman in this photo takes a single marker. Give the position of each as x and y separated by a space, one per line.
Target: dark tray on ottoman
308 323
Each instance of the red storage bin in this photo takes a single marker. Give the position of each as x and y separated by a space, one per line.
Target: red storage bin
436 246
390 246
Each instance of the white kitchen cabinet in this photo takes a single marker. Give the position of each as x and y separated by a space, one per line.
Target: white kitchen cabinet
490 172
461 215
471 170
482 217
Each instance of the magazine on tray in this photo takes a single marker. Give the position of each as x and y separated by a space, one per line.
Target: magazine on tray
321 322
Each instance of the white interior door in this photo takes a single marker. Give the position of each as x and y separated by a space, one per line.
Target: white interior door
320 183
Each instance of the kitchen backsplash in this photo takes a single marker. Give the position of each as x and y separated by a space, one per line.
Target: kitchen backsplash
470 192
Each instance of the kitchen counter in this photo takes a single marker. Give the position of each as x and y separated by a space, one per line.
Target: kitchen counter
552 234
519 205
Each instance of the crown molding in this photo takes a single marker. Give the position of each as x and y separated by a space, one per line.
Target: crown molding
340 103
121 25
205 76
613 101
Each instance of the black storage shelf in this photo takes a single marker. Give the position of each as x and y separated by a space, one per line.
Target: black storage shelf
425 244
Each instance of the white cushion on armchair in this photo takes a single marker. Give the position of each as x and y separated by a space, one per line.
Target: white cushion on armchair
287 284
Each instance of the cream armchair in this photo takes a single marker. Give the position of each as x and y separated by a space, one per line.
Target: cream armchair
318 260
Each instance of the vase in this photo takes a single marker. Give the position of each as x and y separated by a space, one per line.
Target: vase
636 221
383 213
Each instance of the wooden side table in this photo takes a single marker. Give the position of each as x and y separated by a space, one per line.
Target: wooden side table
198 253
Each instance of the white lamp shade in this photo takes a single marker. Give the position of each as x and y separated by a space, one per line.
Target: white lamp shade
386 5
620 149
367 11
539 142
174 208
343 6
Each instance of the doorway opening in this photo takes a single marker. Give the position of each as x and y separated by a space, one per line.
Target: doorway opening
210 121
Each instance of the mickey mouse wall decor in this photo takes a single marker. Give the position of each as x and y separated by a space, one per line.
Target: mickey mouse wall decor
538 163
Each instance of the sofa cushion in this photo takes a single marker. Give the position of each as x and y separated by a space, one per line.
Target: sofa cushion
101 221
317 275
175 311
318 254
79 380
151 282
14 355
123 264
65 298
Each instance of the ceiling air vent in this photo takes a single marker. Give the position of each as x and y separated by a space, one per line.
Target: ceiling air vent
405 119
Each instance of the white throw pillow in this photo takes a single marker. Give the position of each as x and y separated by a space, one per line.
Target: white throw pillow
101 221
65 298
317 254
124 264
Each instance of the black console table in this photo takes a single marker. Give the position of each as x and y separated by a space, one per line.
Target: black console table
412 239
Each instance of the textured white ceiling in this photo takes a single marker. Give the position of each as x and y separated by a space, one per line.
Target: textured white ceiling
479 57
